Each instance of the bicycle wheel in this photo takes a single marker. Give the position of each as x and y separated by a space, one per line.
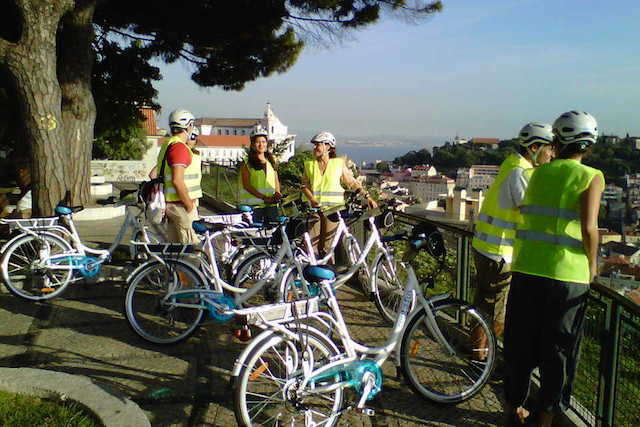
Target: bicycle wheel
433 371
154 317
25 271
388 281
250 272
267 384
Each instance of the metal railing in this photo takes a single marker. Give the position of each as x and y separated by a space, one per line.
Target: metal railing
220 180
608 374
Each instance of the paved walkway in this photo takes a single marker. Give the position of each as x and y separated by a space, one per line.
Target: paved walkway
84 332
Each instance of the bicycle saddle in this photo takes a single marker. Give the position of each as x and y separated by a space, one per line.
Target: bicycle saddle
318 273
202 227
66 210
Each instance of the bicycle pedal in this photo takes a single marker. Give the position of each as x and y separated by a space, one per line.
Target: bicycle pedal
47 290
370 412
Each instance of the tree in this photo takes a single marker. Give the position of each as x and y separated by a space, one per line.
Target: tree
48 50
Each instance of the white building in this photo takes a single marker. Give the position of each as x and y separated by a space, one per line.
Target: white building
482 176
431 188
225 139
423 170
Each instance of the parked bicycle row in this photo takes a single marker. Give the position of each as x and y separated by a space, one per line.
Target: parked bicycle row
268 280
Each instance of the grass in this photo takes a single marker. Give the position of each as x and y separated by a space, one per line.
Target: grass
222 183
24 411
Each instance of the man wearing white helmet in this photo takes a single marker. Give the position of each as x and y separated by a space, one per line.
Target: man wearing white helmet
180 164
555 260
496 224
322 184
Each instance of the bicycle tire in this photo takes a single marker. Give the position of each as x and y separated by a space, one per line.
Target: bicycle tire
434 373
154 319
387 286
25 276
250 272
263 372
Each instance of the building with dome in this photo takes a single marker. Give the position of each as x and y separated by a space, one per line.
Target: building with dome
226 139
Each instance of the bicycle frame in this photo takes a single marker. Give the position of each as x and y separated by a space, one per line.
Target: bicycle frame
132 221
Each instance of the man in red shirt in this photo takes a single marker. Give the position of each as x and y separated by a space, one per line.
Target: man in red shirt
182 175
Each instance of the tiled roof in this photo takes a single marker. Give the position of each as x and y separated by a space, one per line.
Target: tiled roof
220 122
150 125
223 141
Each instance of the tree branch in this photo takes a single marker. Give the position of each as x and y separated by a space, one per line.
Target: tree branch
131 36
302 18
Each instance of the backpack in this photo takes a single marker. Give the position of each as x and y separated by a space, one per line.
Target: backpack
152 194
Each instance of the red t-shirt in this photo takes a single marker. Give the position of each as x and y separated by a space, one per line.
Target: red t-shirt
178 155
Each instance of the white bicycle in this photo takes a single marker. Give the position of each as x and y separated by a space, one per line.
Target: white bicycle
296 375
48 254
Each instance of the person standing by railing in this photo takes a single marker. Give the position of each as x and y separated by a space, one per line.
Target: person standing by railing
322 186
495 226
182 176
555 260
259 178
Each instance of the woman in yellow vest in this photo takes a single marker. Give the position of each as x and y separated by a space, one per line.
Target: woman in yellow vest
322 186
260 183
555 260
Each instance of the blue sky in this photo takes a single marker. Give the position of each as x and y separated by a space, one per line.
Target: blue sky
476 69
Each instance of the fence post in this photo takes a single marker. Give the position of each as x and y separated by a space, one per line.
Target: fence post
609 365
462 268
217 180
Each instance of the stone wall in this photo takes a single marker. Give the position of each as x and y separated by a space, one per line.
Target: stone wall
121 170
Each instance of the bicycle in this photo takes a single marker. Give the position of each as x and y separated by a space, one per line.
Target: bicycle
39 263
169 294
298 376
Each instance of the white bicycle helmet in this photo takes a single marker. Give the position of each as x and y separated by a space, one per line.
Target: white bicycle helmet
326 137
535 132
181 119
576 127
258 131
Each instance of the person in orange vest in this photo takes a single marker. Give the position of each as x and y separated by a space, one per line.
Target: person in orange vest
495 226
555 260
322 186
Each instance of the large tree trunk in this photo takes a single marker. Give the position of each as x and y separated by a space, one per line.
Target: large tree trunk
75 62
32 64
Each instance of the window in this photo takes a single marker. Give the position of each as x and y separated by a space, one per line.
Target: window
219 131
271 129
243 132
227 131
235 131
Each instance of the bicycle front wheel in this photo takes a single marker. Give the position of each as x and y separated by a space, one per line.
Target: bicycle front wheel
152 315
26 269
266 389
438 374
388 281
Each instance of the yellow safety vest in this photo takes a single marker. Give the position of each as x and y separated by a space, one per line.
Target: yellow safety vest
495 228
192 173
549 240
326 187
263 182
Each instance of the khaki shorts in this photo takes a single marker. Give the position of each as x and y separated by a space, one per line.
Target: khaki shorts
179 228
492 287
